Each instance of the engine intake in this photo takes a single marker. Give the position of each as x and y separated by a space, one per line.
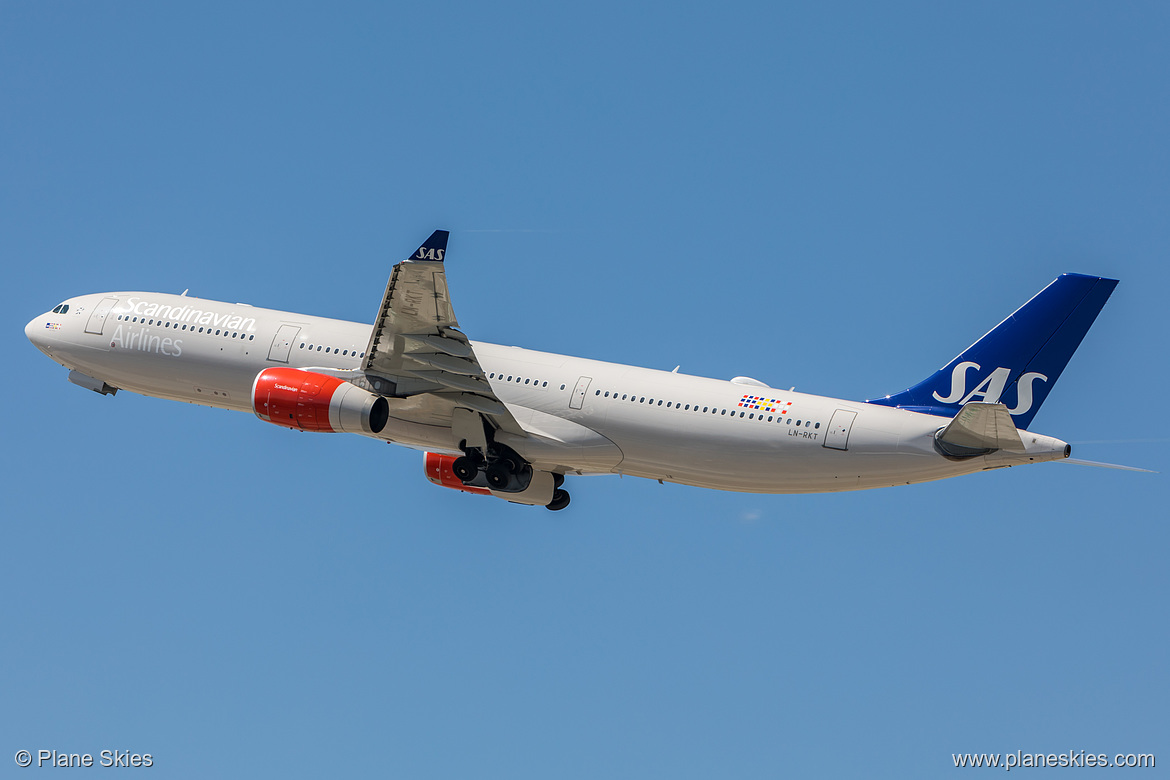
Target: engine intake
308 401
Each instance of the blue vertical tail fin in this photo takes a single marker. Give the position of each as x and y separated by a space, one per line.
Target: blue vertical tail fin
1019 360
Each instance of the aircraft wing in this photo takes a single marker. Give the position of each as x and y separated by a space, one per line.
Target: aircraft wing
417 344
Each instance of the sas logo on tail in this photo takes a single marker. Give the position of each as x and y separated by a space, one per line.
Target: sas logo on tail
990 389
428 254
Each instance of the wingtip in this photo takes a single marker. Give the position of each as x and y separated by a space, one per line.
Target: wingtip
434 248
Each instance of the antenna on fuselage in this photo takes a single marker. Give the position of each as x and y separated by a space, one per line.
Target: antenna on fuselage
184 293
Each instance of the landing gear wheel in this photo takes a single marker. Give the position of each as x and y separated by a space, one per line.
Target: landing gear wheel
498 475
465 468
558 480
560 500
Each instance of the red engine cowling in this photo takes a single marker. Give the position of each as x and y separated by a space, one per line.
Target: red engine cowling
308 401
438 468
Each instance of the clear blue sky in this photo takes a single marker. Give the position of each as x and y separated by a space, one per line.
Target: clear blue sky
838 197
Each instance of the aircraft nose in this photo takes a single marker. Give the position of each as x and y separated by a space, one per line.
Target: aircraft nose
35 331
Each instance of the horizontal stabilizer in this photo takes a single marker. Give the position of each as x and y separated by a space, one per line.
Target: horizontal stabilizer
979 428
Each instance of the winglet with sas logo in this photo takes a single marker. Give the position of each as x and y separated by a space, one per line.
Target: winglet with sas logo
433 248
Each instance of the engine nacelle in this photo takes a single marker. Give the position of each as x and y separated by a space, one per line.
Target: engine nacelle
438 468
308 401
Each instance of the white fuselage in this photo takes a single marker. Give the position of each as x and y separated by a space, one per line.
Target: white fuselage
583 416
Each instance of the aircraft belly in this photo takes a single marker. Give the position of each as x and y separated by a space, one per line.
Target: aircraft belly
887 448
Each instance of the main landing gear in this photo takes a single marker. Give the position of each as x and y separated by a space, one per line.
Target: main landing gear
504 471
560 500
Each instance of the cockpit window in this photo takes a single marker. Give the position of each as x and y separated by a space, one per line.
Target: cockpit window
62 309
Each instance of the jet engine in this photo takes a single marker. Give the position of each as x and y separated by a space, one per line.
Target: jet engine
308 401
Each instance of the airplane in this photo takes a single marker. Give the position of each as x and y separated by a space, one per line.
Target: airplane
514 423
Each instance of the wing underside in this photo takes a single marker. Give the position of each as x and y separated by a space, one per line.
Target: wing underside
417 346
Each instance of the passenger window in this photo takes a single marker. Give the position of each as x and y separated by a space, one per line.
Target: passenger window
818 425
660 403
